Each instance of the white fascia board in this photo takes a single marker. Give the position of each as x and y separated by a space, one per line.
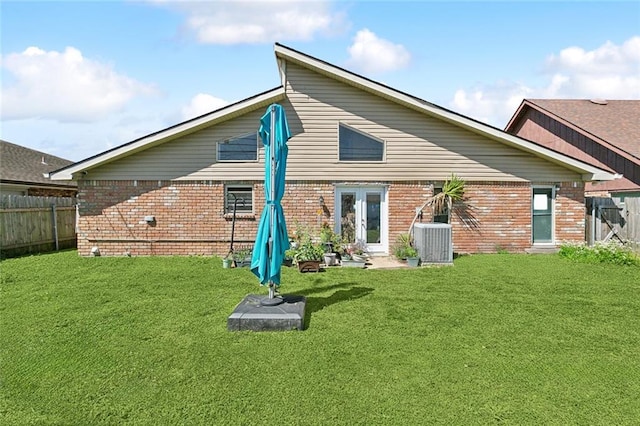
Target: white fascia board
588 172
165 135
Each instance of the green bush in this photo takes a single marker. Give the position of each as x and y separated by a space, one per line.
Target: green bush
403 248
612 252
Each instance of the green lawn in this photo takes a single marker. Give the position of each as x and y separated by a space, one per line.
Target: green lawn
515 339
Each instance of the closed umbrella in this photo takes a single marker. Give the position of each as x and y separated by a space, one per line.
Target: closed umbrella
272 239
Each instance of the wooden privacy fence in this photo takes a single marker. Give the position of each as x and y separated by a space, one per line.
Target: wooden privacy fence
614 218
36 224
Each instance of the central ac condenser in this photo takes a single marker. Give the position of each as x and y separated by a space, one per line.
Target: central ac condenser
434 242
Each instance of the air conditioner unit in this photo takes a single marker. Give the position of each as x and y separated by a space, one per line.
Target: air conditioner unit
434 242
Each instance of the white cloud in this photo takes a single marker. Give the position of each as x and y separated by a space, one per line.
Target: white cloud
607 59
489 102
64 86
258 21
201 104
610 72
372 54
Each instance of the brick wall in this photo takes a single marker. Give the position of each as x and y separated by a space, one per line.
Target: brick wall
570 212
403 200
494 215
51 192
190 217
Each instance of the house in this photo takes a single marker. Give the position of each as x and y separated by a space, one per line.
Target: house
603 133
362 156
23 171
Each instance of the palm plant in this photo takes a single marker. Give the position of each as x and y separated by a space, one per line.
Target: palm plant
452 190
442 202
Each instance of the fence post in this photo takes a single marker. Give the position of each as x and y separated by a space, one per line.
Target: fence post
55 225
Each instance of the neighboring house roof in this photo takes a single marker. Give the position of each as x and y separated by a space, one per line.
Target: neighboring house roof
285 54
28 167
612 124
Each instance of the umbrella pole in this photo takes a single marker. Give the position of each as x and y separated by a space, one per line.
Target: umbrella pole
272 195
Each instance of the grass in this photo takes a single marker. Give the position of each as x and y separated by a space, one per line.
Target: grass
515 339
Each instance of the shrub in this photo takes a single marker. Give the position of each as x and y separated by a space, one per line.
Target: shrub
403 248
612 252
304 247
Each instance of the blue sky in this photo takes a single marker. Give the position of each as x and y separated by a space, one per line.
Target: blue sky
82 77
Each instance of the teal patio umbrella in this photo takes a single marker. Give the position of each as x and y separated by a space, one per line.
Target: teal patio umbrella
272 239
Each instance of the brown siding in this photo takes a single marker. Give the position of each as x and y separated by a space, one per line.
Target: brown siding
545 130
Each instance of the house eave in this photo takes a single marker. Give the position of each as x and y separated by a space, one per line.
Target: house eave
587 172
228 112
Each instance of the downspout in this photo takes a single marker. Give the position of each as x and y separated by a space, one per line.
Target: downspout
593 220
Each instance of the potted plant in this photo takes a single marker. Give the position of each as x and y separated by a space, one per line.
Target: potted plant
332 243
349 262
226 261
413 259
403 250
288 257
242 257
357 251
306 250
308 255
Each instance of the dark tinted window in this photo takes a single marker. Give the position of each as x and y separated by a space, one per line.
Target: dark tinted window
242 148
356 146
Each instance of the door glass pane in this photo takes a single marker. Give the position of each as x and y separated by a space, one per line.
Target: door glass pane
373 218
542 215
348 219
541 229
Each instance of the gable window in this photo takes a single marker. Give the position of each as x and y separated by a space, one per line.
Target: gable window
239 148
358 146
239 195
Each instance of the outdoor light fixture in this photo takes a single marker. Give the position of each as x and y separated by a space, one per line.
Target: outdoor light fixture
321 200
149 219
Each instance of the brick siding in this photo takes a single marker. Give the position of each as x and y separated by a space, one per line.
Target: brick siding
190 217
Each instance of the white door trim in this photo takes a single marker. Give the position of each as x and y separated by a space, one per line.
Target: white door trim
553 215
360 192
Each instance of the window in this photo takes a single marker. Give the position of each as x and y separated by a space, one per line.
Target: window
239 195
443 215
240 148
357 146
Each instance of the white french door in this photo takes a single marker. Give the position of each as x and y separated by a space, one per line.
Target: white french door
362 216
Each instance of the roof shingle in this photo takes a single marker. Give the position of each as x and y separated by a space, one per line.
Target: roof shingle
25 165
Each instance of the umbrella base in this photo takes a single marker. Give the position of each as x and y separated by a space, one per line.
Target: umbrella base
252 315
271 301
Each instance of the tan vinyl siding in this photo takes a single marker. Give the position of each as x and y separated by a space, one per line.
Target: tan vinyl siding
191 157
418 147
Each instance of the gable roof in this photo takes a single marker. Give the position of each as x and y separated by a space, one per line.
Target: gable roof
26 166
612 123
285 54
220 115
